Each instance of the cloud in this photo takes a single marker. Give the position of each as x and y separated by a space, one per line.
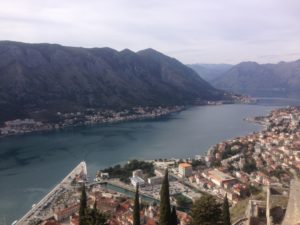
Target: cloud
192 30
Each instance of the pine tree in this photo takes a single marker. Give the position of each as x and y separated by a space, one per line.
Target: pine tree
136 208
226 212
206 210
83 206
165 208
174 220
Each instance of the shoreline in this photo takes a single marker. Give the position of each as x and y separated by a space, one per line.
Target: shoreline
52 127
205 152
36 127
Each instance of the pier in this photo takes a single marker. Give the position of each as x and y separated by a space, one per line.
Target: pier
35 211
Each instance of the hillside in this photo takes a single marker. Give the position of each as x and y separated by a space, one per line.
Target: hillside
210 72
49 78
262 80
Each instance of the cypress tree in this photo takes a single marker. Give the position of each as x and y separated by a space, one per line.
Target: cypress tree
173 219
83 206
165 208
136 208
94 217
94 212
226 212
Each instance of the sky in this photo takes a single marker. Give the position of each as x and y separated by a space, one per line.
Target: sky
193 31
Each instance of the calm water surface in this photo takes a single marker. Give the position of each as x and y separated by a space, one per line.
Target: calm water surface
31 165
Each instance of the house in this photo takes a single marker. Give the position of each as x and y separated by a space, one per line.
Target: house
185 169
155 180
74 220
220 179
137 173
50 222
137 181
61 215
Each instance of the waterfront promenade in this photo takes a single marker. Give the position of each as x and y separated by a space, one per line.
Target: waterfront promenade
36 211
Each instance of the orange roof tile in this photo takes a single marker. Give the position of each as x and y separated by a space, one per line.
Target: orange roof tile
50 222
184 165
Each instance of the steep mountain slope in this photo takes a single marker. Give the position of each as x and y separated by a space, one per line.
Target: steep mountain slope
210 72
267 80
51 77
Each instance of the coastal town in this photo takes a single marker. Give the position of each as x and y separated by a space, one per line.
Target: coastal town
92 116
254 172
87 117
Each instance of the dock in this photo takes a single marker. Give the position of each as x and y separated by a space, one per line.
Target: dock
35 212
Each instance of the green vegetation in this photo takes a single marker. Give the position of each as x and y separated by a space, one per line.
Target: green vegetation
126 171
182 201
83 206
174 219
136 208
93 217
250 166
89 216
197 163
239 209
165 207
229 151
254 190
226 212
280 172
206 210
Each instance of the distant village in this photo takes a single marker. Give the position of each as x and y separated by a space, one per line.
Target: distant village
87 117
93 116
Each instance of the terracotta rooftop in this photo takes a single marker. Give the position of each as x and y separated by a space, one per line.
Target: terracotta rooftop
50 222
184 165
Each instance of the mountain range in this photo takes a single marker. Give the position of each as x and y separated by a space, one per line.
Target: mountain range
262 80
250 78
50 77
210 72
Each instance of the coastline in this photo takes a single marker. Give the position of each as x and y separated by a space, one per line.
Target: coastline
20 127
91 116
177 120
37 127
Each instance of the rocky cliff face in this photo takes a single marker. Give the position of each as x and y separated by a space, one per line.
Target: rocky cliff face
50 77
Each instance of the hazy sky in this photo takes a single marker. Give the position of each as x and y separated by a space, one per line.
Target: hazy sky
204 31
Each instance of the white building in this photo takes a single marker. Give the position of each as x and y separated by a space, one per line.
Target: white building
155 180
137 181
104 175
137 173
